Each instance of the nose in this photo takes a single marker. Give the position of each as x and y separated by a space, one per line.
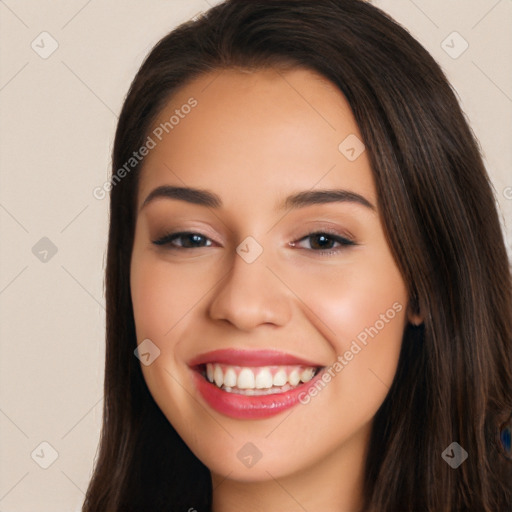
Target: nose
250 295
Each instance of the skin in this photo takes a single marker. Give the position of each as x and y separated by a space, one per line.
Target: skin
253 139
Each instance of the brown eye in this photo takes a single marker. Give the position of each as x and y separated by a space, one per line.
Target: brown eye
184 240
321 241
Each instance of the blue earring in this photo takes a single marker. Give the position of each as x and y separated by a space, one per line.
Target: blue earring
505 437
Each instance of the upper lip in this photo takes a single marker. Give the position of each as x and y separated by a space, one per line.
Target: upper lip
238 357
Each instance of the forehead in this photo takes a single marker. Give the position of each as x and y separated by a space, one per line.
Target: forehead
254 136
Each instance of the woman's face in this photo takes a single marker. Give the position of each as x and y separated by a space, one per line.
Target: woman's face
283 273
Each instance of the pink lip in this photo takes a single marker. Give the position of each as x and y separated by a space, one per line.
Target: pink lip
244 406
250 358
250 407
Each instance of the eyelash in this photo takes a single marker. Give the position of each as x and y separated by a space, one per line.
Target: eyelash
343 242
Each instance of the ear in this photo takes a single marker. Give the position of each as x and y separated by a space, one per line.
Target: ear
414 315
414 318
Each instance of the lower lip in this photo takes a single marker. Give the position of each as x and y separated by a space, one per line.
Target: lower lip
250 407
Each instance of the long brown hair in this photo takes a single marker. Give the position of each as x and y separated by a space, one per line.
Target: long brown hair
454 378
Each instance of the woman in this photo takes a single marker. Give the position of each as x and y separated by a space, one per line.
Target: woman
306 260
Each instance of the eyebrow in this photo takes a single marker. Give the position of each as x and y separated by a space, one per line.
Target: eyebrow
298 200
311 197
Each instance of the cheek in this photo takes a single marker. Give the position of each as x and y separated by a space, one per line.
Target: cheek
361 310
166 298
362 314
162 296
162 305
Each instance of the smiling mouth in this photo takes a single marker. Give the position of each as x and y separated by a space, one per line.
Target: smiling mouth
257 381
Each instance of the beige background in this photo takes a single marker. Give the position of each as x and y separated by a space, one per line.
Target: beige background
57 121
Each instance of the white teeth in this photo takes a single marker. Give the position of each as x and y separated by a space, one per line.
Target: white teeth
218 376
259 380
294 378
264 379
230 378
307 374
209 372
280 378
245 379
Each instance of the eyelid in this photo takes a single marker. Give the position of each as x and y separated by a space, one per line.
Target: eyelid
331 231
